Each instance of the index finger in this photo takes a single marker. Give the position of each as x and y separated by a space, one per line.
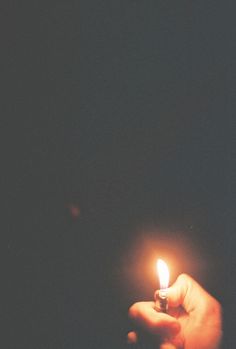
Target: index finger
145 316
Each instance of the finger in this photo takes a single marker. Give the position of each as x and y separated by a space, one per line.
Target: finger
168 346
175 343
132 337
144 315
188 293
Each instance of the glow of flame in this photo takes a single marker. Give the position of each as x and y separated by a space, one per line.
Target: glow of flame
163 273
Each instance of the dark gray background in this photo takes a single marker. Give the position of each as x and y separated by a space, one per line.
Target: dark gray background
123 109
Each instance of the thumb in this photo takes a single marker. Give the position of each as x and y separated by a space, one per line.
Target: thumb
186 292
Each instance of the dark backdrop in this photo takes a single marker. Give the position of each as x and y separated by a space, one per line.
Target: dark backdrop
119 139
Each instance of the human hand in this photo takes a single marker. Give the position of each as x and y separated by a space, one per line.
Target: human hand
193 320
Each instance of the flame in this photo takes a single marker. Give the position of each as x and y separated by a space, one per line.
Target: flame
163 273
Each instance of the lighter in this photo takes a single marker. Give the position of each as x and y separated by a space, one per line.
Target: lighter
161 296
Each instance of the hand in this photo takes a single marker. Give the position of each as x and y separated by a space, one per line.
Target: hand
193 320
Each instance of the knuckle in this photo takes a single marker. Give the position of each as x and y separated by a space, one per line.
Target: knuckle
215 308
133 311
185 282
184 278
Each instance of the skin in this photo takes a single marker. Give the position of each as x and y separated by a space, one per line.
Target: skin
193 320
